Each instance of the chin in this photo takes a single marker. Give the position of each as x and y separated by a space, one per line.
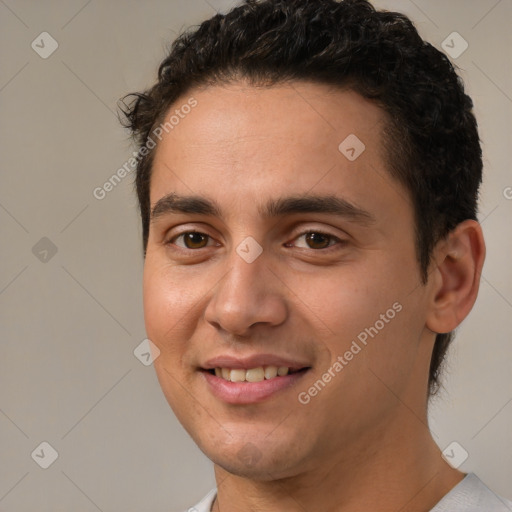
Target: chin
254 458
264 470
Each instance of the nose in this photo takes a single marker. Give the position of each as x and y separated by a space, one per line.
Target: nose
250 294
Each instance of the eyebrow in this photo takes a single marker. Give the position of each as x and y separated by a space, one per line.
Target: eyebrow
327 204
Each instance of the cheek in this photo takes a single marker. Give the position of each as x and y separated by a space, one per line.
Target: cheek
167 306
370 311
168 310
352 299
374 325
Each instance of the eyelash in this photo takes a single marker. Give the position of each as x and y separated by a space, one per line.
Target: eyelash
304 233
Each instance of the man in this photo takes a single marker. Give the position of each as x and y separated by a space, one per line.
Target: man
308 175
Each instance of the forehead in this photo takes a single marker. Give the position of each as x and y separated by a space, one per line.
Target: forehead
240 142
234 113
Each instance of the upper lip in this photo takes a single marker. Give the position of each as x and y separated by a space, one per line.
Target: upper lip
254 361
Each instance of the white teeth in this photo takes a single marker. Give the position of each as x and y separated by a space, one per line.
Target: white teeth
255 375
270 372
237 375
258 374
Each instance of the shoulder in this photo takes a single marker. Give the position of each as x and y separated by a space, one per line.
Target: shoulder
472 495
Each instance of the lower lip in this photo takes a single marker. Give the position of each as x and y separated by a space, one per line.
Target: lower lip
250 392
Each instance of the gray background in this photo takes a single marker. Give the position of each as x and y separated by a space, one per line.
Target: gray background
70 323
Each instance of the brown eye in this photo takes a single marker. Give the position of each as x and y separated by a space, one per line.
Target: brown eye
195 240
191 240
318 240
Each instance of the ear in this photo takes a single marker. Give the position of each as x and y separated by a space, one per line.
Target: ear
455 278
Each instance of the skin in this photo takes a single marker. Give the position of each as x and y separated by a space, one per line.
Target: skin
362 443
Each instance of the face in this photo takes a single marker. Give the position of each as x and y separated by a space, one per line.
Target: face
273 249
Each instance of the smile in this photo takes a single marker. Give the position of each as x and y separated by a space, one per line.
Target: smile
253 385
258 374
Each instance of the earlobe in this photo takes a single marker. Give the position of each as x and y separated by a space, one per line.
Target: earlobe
455 279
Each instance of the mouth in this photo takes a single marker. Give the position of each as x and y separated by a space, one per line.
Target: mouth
258 374
251 381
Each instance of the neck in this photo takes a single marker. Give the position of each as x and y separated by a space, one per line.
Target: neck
398 468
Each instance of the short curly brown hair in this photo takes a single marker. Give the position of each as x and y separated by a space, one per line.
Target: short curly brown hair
432 142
